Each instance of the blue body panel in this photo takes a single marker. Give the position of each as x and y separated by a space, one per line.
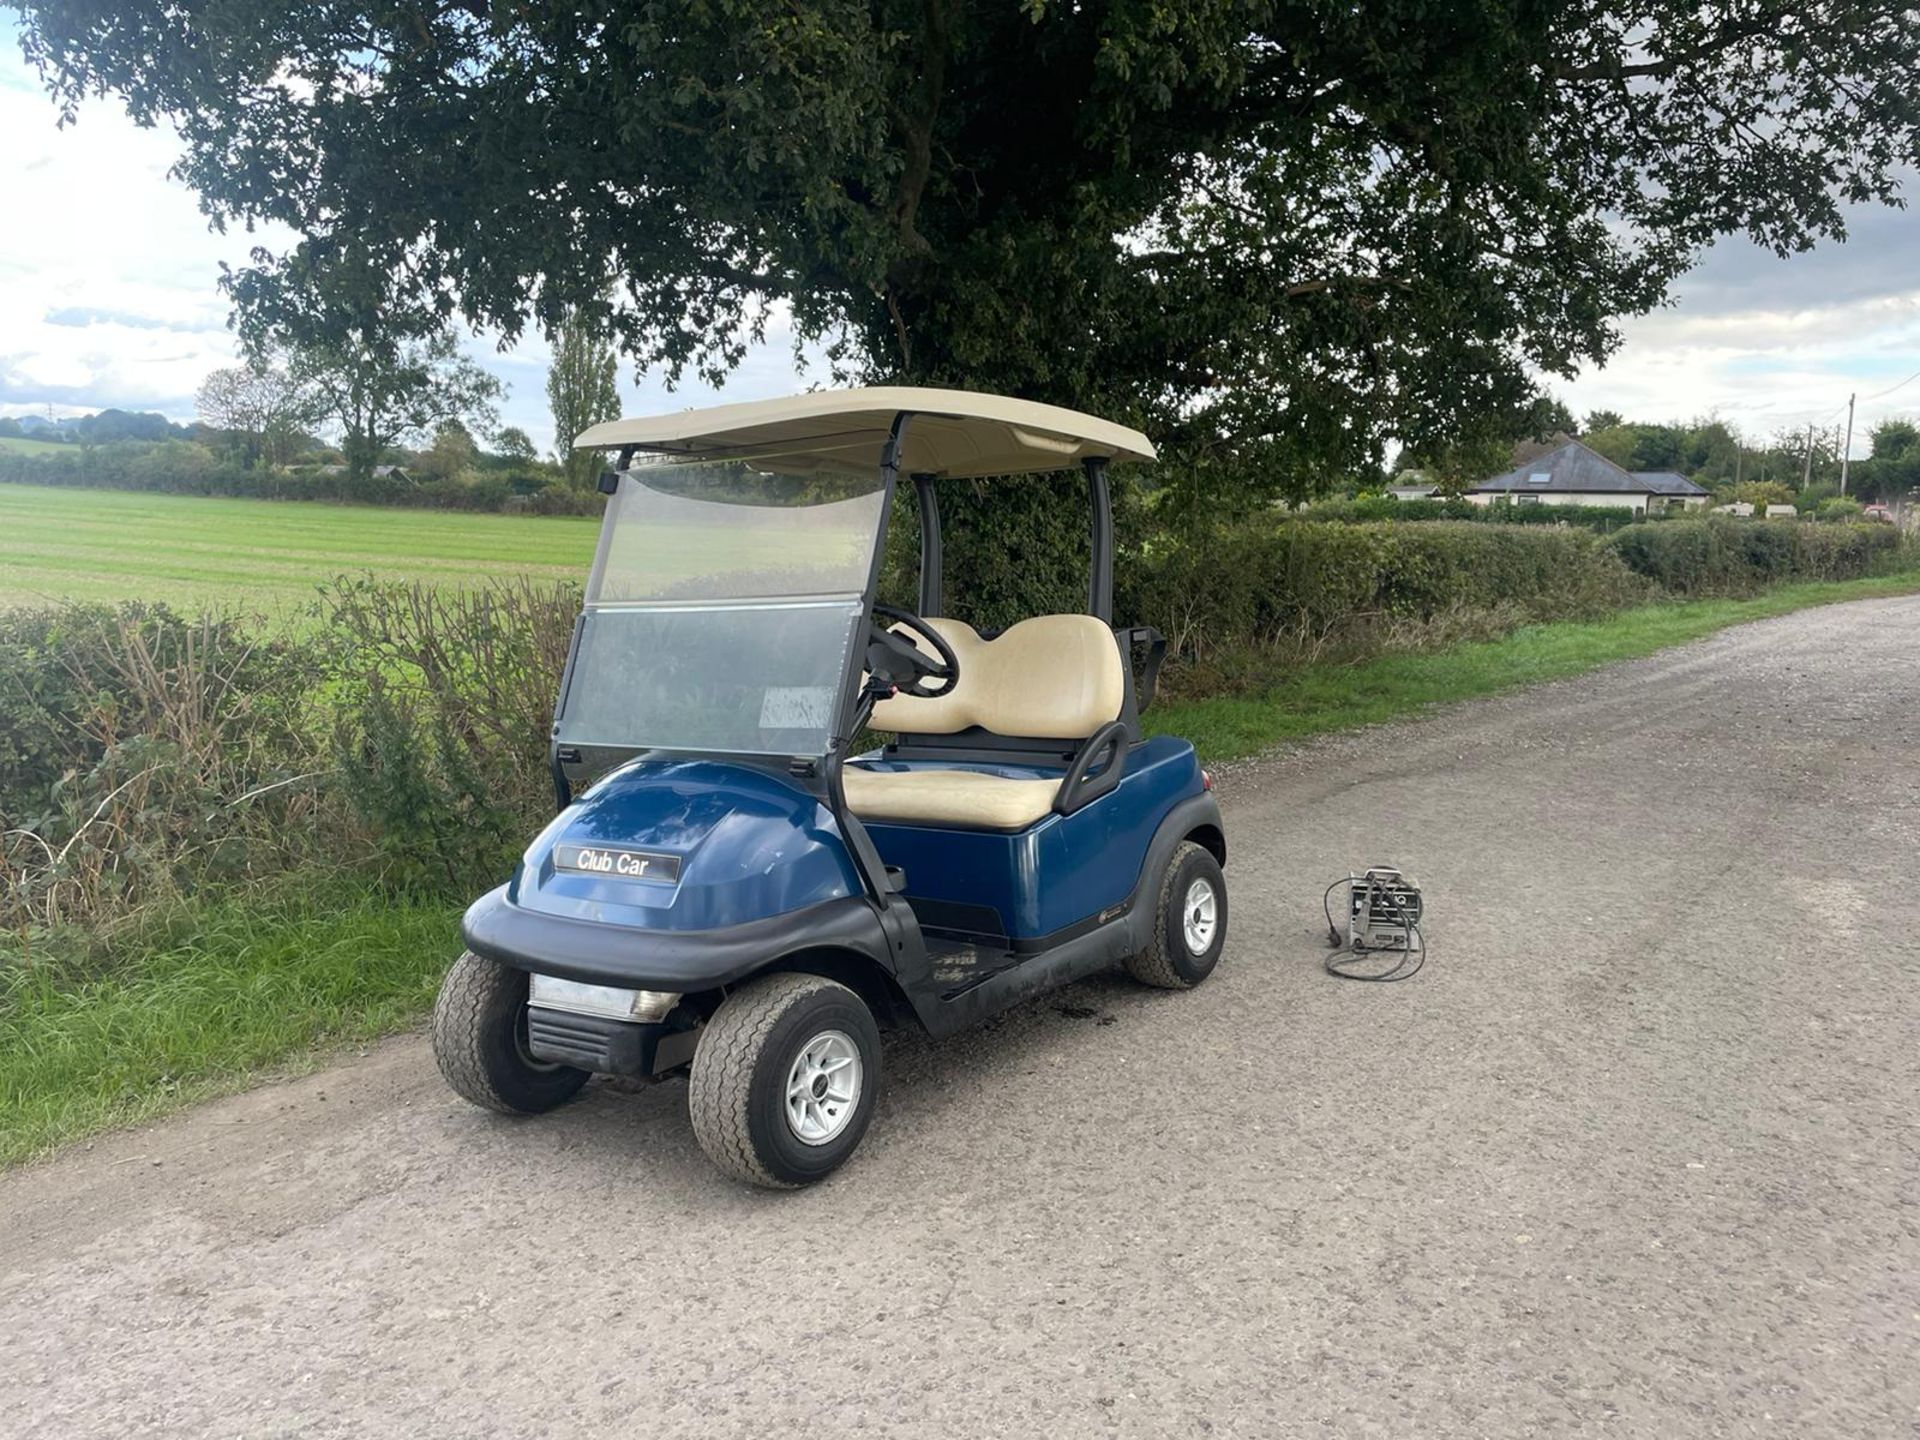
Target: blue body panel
751 843
1065 870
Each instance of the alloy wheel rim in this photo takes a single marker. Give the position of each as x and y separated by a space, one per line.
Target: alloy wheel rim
823 1087
1200 916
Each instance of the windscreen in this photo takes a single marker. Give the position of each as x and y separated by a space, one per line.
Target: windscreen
721 610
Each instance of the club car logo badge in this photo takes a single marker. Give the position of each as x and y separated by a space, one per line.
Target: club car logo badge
618 864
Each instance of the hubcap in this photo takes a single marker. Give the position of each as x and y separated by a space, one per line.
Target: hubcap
823 1087
1200 916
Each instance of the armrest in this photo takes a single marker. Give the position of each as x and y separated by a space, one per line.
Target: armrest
1078 788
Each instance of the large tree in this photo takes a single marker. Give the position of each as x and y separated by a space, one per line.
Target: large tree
580 386
261 407
1278 233
379 389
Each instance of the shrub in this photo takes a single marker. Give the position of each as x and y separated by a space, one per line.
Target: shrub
1292 587
442 710
1724 555
142 752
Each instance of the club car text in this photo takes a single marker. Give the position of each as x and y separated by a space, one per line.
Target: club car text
621 864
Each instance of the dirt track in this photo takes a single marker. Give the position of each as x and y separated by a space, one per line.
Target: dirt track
1639 1153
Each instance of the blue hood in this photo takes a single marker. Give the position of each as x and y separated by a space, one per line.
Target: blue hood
749 844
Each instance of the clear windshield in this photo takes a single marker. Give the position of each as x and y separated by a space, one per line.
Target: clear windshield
721 610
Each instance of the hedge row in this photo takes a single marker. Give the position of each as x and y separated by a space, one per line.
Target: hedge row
1602 518
401 731
1720 555
1270 584
184 467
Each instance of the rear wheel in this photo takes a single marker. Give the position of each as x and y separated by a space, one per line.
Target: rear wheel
785 1080
1190 922
480 1041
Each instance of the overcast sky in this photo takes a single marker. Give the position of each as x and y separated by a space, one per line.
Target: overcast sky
108 297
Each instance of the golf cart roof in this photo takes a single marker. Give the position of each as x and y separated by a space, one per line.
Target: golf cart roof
954 433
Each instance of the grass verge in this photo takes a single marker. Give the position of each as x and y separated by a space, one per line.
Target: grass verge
1320 698
237 991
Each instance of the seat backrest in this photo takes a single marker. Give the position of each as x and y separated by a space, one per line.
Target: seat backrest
1052 677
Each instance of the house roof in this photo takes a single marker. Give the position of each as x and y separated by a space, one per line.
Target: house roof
956 433
1576 469
1668 482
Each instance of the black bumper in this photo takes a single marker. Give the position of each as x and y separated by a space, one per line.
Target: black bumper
680 960
606 1047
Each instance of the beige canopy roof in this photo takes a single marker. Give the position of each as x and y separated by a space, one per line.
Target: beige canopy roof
955 433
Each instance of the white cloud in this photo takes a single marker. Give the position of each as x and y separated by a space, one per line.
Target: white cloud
1768 344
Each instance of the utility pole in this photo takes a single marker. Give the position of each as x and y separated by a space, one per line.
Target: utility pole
1806 466
1844 449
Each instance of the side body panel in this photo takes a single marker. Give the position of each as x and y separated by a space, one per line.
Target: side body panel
1038 885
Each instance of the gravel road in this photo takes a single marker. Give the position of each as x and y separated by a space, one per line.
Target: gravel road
1637 1153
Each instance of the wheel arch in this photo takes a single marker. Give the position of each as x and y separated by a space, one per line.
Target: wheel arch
878 990
1211 838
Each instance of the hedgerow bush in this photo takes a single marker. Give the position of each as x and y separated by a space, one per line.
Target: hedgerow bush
1293 586
184 467
399 733
439 720
1602 518
1722 555
143 753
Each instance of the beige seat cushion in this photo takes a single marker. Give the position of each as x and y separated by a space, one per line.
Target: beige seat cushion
967 799
1053 677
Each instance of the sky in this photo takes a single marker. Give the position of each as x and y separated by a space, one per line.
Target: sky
109 297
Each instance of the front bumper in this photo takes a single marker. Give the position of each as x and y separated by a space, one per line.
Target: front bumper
685 961
607 1047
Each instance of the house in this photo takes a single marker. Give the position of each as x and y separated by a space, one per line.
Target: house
380 472
1574 474
1412 492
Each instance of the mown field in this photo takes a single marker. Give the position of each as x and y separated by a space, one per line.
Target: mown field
257 555
20 445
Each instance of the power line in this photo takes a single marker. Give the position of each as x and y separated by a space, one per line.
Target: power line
1901 386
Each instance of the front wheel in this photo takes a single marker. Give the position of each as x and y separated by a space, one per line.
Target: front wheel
786 1080
480 1041
1189 922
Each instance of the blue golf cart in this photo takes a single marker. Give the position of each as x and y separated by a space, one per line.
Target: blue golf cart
728 889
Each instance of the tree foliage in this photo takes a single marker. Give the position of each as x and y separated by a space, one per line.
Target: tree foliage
378 390
515 444
262 408
580 386
1277 233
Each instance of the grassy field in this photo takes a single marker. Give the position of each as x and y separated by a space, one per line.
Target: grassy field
21 445
230 993
257 555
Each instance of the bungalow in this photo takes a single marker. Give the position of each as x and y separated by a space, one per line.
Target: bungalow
1573 474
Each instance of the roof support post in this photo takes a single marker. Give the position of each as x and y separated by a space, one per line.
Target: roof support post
1100 576
932 576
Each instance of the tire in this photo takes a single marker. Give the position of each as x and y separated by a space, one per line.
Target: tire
752 1048
480 1041
1171 960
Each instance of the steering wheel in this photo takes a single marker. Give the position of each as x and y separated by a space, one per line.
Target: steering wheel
901 663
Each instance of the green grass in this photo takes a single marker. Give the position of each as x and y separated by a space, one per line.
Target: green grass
257 555
1320 698
237 993
21 445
